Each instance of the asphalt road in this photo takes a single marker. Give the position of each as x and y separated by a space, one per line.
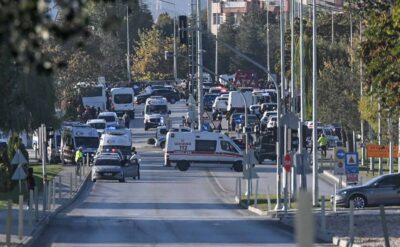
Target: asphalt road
165 208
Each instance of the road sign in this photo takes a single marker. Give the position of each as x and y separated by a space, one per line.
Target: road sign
339 168
19 174
351 167
381 151
19 158
340 153
205 115
287 162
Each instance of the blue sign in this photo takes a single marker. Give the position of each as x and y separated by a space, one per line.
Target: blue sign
340 154
205 127
351 167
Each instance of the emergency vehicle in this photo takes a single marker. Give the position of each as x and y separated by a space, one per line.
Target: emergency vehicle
155 112
187 148
116 140
122 100
75 136
53 149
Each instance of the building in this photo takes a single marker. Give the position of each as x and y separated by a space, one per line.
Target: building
219 9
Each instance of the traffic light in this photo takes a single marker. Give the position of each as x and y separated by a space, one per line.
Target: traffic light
183 34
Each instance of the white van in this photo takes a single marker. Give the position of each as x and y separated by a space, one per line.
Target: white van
155 112
122 100
98 124
110 117
116 140
236 102
186 148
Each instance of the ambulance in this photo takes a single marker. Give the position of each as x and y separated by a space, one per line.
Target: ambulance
116 140
75 136
187 148
122 100
155 112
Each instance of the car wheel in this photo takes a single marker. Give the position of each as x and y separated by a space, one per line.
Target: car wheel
183 165
238 166
359 201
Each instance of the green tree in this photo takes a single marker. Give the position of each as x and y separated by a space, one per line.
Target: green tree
149 62
165 24
338 96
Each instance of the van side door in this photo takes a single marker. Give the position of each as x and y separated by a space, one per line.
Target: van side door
205 150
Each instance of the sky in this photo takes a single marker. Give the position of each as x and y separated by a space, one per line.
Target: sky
182 6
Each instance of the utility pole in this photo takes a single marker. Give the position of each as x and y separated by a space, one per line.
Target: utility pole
192 58
175 55
379 136
278 146
128 64
268 66
302 93
199 67
333 29
314 114
216 51
361 94
292 95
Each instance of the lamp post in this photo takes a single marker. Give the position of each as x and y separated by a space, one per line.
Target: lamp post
128 64
248 165
314 104
199 66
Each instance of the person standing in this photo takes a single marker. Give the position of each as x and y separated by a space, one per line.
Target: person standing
323 142
30 181
78 159
126 119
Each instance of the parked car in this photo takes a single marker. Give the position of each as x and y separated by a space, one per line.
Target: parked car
208 101
384 189
171 95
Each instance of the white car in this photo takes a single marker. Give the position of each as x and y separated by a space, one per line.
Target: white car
265 118
272 122
98 124
220 104
110 117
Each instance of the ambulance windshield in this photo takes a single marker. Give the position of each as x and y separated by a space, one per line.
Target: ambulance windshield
160 109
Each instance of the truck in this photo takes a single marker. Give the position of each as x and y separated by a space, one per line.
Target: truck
246 78
92 94
236 102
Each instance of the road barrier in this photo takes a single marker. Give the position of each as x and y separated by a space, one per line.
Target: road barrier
47 201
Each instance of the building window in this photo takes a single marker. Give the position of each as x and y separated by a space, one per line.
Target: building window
216 18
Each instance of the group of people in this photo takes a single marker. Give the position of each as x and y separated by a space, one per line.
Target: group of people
86 113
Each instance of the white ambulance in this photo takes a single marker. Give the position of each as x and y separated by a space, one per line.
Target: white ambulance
155 112
122 101
116 140
187 148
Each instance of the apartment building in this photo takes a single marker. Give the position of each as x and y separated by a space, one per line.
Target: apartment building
219 9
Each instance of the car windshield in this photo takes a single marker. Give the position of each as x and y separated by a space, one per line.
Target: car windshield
328 132
108 118
87 142
107 162
123 98
162 109
99 126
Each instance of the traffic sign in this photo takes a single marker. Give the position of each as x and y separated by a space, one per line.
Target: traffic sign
287 162
19 174
340 153
205 115
381 151
351 167
18 158
339 168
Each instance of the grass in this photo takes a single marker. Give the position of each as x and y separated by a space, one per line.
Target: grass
262 202
52 171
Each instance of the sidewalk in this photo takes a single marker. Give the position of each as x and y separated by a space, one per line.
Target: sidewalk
64 194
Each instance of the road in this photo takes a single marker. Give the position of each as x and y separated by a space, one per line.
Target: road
165 208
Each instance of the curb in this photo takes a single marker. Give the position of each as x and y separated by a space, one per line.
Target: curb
30 240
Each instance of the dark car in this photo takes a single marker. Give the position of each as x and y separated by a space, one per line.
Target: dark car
252 120
265 148
171 95
384 189
208 101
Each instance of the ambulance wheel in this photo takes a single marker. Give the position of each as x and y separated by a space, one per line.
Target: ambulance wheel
183 165
238 166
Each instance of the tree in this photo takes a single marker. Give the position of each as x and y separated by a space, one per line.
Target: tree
165 24
149 62
339 104
227 33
